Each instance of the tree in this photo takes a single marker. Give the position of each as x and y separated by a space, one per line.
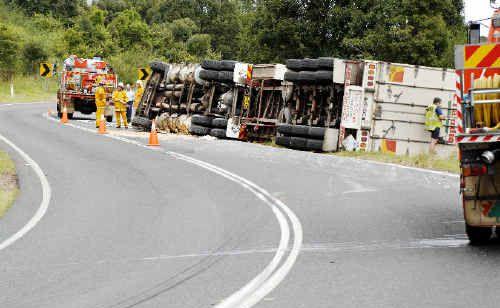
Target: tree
33 52
8 49
199 45
129 30
58 8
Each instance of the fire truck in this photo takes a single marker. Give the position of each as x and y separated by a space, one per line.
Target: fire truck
79 80
478 132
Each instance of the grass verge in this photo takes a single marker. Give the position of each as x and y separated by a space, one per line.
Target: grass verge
8 183
29 89
425 161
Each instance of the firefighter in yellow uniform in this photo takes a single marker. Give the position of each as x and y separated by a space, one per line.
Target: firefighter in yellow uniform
120 100
100 102
138 94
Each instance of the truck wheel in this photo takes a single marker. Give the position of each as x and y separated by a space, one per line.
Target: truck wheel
324 76
199 130
218 132
283 141
227 65
285 129
291 76
294 64
70 116
159 66
211 65
306 76
201 120
325 63
209 74
109 119
314 145
478 235
225 76
219 123
310 64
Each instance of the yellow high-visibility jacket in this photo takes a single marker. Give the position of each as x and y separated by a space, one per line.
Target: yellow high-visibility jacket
138 96
120 100
100 97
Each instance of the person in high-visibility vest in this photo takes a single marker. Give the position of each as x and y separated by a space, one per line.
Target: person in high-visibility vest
100 102
433 117
138 93
120 101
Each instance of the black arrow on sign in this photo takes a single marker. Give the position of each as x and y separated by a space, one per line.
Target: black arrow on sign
145 74
46 70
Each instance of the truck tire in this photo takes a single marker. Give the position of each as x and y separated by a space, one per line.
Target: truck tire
310 64
283 141
109 119
211 65
316 133
300 131
314 145
325 63
294 64
141 122
218 132
158 66
285 129
291 76
201 120
199 130
227 65
306 76
219 123
209 74
225 76
478 235
324 76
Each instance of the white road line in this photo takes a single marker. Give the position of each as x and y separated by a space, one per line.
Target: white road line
46 193
273 273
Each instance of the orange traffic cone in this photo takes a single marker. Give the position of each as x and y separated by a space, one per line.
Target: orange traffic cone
153 136
102 126
64 118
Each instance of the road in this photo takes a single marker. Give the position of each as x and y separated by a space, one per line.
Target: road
129 226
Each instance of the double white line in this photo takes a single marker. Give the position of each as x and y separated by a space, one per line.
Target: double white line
290 240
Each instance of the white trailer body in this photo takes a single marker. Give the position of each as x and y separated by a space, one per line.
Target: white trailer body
395 97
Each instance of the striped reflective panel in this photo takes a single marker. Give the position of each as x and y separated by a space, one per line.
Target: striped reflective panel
482 56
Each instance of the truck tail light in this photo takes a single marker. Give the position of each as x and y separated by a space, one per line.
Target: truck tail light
474 170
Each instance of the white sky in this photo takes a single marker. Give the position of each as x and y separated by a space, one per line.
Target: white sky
479 9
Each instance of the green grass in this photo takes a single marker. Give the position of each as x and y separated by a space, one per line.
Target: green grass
29 89
426 161
8 183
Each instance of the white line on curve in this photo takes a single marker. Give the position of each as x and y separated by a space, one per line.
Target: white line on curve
271 276
44 205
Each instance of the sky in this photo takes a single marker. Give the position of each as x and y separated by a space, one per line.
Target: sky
479 9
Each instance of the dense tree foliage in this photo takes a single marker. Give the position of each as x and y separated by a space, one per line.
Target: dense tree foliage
132 32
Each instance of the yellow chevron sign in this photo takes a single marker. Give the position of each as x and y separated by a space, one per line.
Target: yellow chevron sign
144 73
46 69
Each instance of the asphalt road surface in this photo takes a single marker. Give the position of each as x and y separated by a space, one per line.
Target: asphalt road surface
131 226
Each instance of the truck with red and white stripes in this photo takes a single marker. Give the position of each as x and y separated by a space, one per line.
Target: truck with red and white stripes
478 137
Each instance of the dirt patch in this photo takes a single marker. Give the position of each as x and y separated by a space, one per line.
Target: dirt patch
9 184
